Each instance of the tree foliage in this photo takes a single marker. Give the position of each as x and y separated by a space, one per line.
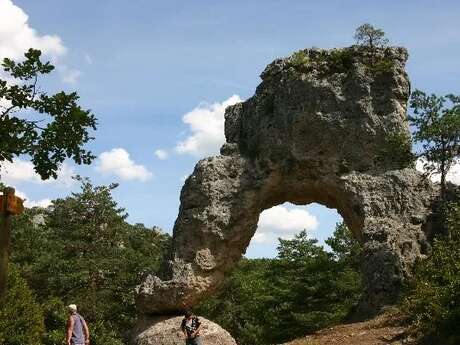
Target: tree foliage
372 40
370 36
21 316
437 129
433 300
270 301
81 250
346 250
24 128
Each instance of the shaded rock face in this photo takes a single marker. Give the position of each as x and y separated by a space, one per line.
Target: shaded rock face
316 130
166 331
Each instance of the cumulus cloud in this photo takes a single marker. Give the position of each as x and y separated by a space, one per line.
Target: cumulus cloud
23 171
44 203
68 75
161 154
453 175
280 221
17 36
206 128
118 162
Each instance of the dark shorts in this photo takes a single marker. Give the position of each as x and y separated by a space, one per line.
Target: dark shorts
194 341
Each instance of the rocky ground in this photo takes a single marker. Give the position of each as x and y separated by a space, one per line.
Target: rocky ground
386 329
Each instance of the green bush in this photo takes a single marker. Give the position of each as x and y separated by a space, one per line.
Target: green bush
21 317
396 152
55 321
326 62
339 61
380 66
103 334
299 58
433 301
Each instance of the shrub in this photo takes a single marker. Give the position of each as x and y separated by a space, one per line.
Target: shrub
339 61
433 302
299 58
21 317
55 316
396 151
380 66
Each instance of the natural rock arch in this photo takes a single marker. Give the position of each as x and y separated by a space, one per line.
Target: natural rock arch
318 129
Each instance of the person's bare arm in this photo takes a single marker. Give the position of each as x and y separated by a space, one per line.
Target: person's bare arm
197 331
70 324
182 327
86 330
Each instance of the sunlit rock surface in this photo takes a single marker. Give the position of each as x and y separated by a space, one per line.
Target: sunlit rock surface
321 128
166 331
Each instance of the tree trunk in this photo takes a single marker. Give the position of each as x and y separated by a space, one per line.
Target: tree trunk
5 239
443 181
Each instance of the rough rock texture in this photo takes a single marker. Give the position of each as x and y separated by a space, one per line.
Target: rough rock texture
323 126
166 331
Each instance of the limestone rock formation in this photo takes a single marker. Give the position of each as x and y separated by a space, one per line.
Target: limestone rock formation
166 331
324 126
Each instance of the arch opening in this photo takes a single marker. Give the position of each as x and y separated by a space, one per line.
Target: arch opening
286 220
289 270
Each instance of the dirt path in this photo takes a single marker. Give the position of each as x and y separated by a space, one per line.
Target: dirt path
383 330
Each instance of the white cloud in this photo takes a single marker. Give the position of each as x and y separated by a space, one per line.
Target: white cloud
16 37
68 75
453 175
118 162
44 203
88 59
280 221
23 171
161 154
206 124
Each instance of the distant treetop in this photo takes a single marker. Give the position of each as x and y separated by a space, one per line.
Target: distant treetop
371 37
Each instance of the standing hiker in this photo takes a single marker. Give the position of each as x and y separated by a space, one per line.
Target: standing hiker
191 328
77 331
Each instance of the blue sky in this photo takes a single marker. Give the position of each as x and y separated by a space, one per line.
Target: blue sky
142 65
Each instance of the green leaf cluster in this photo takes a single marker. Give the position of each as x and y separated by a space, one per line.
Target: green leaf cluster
437 128
48 128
